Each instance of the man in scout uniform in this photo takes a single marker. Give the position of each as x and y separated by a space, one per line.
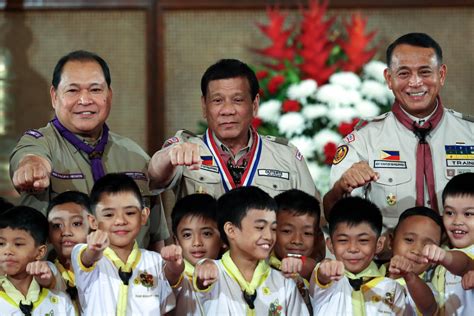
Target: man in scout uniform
231 153
76 148
405 157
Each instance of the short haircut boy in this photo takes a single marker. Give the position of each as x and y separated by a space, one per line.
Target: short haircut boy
355 211
199 205
234 205
460 185
114 183
28 219
76 197
420 211
298 203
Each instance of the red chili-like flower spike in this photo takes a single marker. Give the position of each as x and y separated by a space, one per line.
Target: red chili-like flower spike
355 46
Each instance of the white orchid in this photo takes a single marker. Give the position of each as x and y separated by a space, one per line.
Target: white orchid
301 91
270 111
312 112
291 124
376 91
346 79
374 70
367 108
304 144
323 137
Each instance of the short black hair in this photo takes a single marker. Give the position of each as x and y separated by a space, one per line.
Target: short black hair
114 183
298 203
421 211
199 205
230 68
28 219
460 185
415 39
234 205
75 197
81 56
353 211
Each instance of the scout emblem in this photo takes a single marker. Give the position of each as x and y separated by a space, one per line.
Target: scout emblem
391 199
146 279
341 153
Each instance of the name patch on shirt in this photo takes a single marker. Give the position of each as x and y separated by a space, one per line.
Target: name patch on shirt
274 173
34 133
136 175
390 164
210 168
67 176
459 156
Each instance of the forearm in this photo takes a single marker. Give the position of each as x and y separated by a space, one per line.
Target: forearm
160 169
421 294
173 275
89 257
457 262
48 283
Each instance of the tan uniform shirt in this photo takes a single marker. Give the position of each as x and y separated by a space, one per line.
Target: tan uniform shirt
390 149
281 167
71 170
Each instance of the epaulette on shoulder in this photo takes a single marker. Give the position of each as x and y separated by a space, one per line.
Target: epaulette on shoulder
278 140
185 134
462 116
365 121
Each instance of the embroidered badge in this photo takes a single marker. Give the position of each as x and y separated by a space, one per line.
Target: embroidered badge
350 138
266 291
275 308
389 299
450 172
53 299
145 279
341 153
375 298
390 155
200 190
299 155
391 199
390 164
135 175
34 133
274 173
459 155
170 141
67 176
207 160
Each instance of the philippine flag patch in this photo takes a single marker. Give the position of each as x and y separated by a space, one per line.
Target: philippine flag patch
207 160
390 155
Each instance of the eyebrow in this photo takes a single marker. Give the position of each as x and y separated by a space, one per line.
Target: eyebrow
263 221
347 235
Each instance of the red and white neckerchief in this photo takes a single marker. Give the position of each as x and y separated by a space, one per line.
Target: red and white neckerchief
250 170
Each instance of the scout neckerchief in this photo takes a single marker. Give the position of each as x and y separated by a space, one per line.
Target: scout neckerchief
357 281
188 269
24 303
249 173
125 271
94 153
249 290
424 160
69 279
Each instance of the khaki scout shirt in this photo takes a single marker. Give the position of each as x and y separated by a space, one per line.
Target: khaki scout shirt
390 150
281 167
71 170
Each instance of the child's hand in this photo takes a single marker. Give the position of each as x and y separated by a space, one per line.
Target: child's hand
468 281
206 274
433 253
41 272
97 241
173 255
400 265
330 270
291 266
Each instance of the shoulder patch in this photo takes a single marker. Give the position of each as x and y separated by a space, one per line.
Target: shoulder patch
463 116
278 140
185 134
364 122
34 133
341 153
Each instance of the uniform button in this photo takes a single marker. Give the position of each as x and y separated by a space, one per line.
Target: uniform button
275 186
428 202
201 178
390 180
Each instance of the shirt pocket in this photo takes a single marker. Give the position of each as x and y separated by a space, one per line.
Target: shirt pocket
202 182
272 185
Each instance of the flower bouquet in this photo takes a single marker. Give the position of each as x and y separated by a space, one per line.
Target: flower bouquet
318 83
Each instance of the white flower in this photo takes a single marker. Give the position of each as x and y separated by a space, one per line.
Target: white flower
374 70
312 112
320 175
323 137
376 91
291 124
367 108
269 111
304 144
334 95
300 91
346 79
342 114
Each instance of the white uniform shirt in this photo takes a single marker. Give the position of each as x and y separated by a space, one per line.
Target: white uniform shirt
453 299
149 293
390 149
48 303
276 296
187 302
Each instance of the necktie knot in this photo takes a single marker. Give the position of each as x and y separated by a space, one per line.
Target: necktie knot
421 132
71 291
26 308
358 282
250 299
125 276
95 155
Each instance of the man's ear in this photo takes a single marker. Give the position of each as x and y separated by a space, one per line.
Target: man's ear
92 222
380 244
145 214
53 94
203 106
329 245
229 230
387 73
41 252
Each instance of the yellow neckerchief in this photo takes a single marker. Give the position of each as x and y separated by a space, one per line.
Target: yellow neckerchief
188 269
439 278
67 275
358 302
259 276
32 296
131 263
274 261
